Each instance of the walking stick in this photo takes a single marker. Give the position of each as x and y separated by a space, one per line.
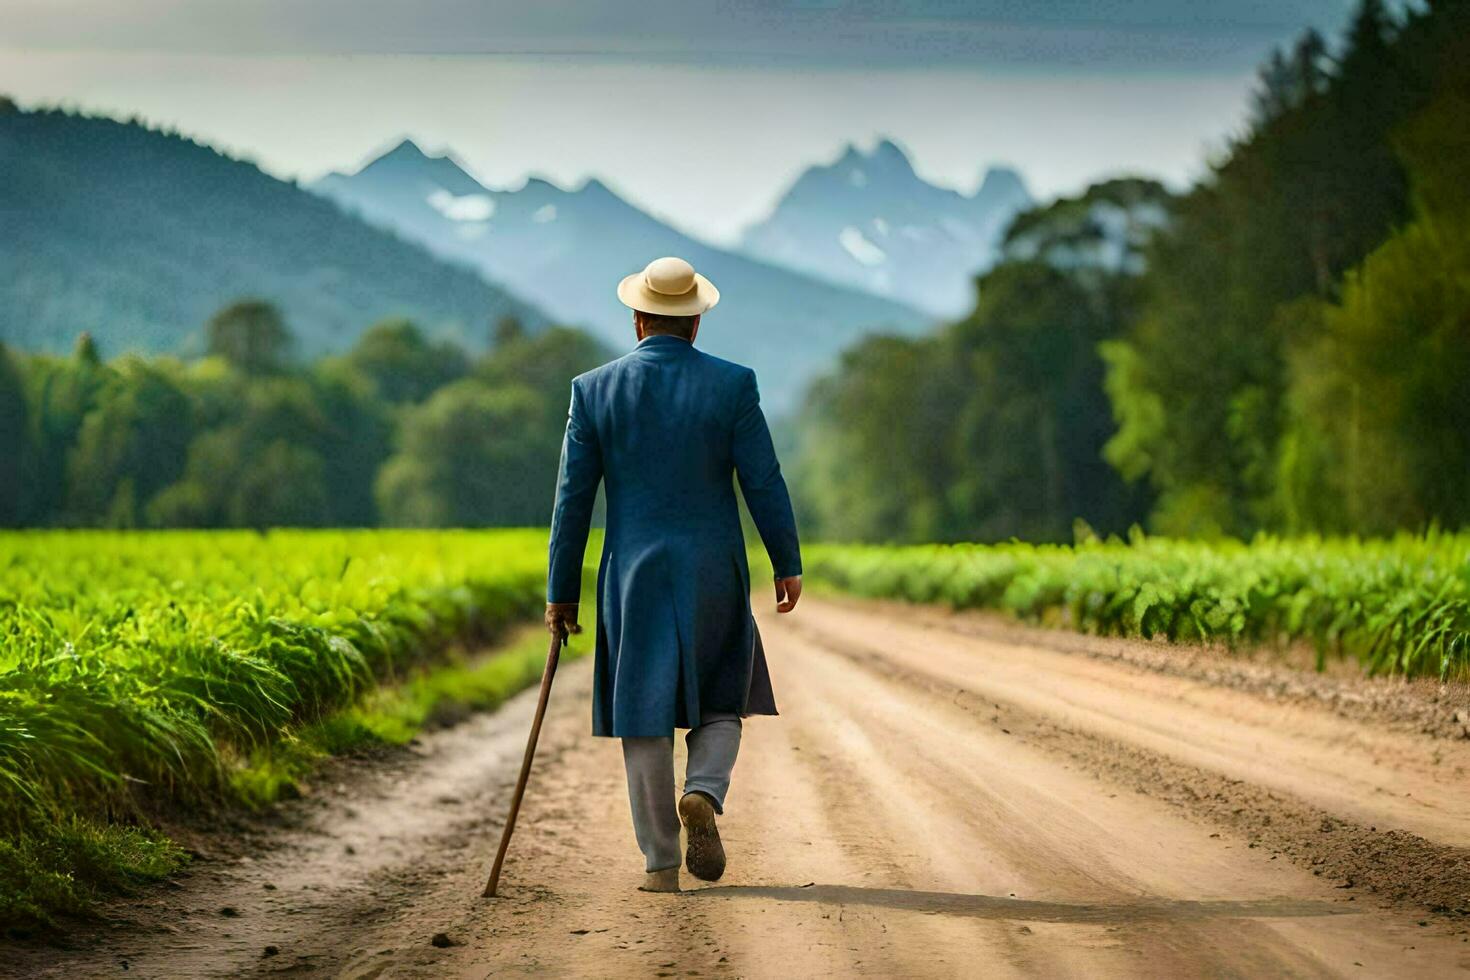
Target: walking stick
552 655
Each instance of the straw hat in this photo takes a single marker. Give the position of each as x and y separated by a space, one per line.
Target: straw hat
670 287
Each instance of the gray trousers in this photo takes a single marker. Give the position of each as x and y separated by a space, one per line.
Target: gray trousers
650 764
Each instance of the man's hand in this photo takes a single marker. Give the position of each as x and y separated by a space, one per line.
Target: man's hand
788 590
561 619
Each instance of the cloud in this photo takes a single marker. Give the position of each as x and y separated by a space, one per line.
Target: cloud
1121 35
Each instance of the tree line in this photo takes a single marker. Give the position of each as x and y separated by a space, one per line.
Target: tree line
1288 348
1283 347
399 430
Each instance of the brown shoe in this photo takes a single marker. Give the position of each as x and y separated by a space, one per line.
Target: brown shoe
705 855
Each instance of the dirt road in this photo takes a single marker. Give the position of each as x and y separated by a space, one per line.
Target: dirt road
941 797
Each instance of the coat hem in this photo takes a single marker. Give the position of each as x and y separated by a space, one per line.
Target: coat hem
677 728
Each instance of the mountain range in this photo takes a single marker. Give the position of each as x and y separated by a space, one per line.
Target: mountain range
138 236
565 250
868 220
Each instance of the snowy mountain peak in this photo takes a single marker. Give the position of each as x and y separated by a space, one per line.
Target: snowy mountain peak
1002 182
593 187
858 169
407 159
406 149
888 154
568 246
868 220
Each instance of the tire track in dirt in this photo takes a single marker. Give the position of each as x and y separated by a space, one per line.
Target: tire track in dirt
995 838
1283 677
1394 863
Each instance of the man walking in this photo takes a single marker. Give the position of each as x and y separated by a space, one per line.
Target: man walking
668 429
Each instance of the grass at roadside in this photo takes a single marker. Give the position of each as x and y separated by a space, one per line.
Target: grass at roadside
176 671
1397 606
68 867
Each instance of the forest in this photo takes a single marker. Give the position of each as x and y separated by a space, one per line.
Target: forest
400 430
1286 352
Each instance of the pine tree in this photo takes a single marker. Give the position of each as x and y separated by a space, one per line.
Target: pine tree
1309 65
85 351
1366 46
1276 89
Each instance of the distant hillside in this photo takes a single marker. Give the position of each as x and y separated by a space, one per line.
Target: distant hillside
867 220
1107 227
566 250
138 236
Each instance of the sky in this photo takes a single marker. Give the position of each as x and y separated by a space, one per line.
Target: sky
701 111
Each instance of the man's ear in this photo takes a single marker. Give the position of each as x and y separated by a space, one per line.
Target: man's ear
638 324
695 332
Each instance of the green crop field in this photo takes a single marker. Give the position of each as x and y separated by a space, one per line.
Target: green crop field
148 675
1398 606
143 674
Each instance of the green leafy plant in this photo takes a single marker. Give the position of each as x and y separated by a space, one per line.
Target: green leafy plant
140 672
1399 605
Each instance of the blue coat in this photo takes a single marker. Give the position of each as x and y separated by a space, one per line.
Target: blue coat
668 428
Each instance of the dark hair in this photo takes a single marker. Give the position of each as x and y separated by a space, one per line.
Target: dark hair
679 326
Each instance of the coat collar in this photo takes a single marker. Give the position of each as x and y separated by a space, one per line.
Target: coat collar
664 340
